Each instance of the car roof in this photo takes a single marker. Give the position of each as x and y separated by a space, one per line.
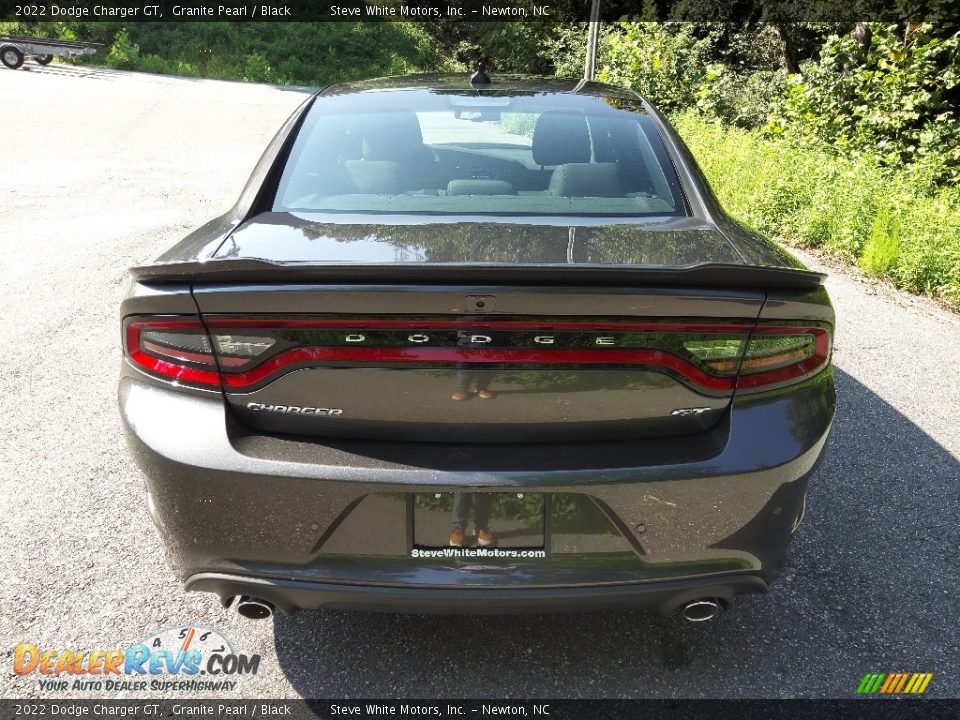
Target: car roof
500 85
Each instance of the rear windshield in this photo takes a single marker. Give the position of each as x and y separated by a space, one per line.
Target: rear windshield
498 157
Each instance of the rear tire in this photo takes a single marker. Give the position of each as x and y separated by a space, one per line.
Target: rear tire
43 59
11 57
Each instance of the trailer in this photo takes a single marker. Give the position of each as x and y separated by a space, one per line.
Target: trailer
14 49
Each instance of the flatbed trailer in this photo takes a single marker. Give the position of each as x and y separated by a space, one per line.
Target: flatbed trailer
14 49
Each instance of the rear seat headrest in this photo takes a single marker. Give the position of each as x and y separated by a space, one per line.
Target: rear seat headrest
586 180
561 138
374 176
479 187
393 136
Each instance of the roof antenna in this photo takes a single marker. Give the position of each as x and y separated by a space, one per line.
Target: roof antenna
480 77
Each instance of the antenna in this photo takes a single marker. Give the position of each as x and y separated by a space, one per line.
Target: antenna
480 77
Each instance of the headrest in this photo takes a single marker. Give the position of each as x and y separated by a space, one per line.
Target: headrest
561 138
479 187
377 177
393 136
586 180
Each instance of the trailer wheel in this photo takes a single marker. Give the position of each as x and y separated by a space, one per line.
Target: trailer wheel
11 56
43 59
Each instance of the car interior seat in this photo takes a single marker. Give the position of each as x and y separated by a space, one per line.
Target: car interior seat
563 140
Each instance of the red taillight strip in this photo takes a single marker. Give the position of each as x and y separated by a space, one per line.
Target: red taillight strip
284 360
168 370
176 372
821 354
491 324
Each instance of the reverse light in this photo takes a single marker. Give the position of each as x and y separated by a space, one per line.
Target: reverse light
243 345
720 355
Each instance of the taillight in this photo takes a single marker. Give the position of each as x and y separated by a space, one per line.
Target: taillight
778 355
172 349
179 350
245 353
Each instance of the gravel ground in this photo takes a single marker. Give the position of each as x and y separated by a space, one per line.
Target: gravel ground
106 169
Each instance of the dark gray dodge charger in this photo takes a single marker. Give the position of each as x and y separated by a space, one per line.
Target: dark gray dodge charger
477 348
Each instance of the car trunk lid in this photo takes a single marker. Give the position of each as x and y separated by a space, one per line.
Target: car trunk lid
477 363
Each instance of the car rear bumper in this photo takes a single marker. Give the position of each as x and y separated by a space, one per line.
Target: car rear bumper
290 595
709 515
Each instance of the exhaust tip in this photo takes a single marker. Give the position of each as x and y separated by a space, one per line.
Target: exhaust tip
701 610
254 608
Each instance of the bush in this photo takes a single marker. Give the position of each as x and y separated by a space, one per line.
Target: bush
566 49
664 62
890 223
740 98
154 64
124 54
292 69
896 101
257 69
182 67
882 247
684 65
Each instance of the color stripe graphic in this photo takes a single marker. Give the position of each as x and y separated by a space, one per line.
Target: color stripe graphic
894 683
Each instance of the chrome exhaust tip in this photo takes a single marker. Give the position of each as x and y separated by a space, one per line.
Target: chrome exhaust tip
697 611
254 608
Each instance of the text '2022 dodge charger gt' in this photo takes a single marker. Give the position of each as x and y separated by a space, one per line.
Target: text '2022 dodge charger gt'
477 348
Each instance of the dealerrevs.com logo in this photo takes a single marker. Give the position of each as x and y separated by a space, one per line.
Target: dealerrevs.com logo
186 658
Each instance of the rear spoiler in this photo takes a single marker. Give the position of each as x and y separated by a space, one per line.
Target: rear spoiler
718 275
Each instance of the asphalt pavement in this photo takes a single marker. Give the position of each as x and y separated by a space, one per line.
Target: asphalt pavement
102 170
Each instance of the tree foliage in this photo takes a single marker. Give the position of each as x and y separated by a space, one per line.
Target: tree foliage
287 53
898 100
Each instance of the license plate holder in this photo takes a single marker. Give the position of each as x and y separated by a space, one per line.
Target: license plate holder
512 520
